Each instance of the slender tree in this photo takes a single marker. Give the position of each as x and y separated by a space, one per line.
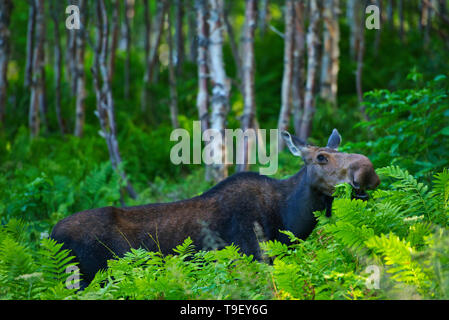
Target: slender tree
172 75
80 77
359 57
192 31
55 10
298 81
248 73
147 33
30 43
401 19
331 53
313 41
37 100
286 91
152 57
71 55
179 35
220 88
202 41
263 16
114 34
127 18
5 18
105 103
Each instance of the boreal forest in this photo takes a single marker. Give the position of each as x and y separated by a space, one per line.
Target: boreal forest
113 123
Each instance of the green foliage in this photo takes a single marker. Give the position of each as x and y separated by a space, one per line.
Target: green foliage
408 127
25 274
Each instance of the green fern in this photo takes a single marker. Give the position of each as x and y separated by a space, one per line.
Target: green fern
397 255
54 262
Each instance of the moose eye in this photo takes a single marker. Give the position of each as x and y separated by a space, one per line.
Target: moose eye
321 158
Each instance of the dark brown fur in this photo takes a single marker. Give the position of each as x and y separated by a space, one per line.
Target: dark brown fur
228 213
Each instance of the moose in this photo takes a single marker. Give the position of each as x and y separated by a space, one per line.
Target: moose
229 211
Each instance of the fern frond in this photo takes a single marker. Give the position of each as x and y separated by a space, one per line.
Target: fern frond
440 190
397 254
53 262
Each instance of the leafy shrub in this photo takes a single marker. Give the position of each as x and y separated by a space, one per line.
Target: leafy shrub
408 127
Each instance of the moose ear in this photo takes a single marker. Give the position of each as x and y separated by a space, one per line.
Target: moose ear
295 144
334 140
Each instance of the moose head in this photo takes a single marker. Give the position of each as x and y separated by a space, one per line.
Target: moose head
327 167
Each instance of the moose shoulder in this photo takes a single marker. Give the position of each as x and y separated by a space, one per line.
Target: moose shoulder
241 209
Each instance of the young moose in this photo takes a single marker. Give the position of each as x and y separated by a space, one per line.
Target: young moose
231 211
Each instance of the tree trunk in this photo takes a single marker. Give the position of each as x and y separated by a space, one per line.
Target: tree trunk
55 10
192 31
115 27
299 54
220 88
80 37
234 47
30 43
401 19
263 16
286 92
179 35
359 71
172 76
70 56
248 70
147 33
152 58
37 100
202 42
354 14
313 41
127 17
105 102
331 55
5 18
390 13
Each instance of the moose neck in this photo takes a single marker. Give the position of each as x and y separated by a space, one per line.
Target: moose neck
301 202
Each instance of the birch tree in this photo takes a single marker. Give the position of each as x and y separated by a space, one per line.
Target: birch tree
55 10
114 34
220 89
179 35
202 63
79 75
354 13
162 7
127 19
331 52
313 41
30 43
5 18
172 76
37 100
286 91
248 70
105 103
298 81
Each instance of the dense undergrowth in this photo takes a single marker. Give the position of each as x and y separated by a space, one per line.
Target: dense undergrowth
393 246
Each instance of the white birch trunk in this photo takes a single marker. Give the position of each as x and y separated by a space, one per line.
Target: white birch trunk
220 87
286 91
202 99
248 69
313 41
80 74
331 52
298 65
38 77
